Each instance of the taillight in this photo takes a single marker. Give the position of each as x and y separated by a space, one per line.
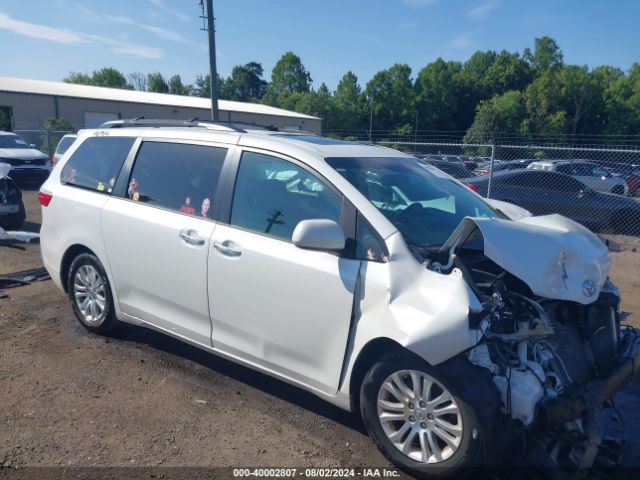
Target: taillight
473 187
44 198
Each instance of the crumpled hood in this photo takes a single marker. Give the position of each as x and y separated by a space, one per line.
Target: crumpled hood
21 153
556 257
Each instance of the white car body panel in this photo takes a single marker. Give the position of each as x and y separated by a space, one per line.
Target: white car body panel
159 278
553 255
281 307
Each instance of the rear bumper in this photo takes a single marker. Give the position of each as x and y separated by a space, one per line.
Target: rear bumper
593 394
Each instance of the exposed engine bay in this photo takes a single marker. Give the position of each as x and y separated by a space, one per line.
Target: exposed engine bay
554 362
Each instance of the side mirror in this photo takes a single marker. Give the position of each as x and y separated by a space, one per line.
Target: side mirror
318 235
32 145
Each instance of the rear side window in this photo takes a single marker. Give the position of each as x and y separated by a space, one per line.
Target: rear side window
96 163
64 145
177 176
273 195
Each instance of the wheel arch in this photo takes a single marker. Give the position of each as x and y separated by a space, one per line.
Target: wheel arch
72 252
373 351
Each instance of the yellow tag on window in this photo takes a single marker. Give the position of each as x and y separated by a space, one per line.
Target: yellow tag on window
100 187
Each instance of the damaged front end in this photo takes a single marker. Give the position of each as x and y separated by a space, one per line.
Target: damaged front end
549 331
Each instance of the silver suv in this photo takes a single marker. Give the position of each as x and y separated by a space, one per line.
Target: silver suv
456 326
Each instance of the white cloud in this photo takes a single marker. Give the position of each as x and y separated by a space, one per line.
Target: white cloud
419 3
482 11
41 32
162 33
461 41
138 51
68 37
159 4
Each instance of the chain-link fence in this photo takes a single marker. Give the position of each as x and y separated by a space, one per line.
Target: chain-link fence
44 140
596 186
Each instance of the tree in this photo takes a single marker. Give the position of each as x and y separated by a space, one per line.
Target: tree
580 93
157 83
288 76
105 77
176 87
317 103
546 55
502 113
80 78
438 92
391 95
245 83
202 87
55 129
138 81
350 104
543 100
110 77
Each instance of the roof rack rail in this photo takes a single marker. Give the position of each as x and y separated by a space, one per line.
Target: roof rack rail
158 122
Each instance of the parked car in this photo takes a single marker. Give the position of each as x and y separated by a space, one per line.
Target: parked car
456 170
12 211
64 143
591 174
545 192
27 163
485 168
356 272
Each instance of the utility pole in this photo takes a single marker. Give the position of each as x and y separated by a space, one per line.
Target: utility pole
371 116
213 72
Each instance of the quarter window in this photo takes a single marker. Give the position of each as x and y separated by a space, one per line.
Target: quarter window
96 163
177 176
272 196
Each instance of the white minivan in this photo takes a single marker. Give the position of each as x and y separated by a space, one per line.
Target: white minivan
463 330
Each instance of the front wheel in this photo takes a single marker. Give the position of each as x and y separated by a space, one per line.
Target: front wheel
90 294
421 419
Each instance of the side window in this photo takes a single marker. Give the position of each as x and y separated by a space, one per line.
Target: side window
567 169
598 171
177 176
369 246
272 196
96 163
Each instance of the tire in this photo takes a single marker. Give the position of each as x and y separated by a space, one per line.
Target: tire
473 414
626 222
88 288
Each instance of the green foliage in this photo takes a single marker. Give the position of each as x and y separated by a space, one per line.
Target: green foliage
105 77
289 76
245 83
533 94
55 129
502 113
391 94
157 83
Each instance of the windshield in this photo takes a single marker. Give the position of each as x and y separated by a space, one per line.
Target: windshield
423 203
12 141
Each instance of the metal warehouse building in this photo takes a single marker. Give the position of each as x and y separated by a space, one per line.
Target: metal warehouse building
28 103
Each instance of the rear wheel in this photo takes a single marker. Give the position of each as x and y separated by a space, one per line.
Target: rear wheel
421 419
90 294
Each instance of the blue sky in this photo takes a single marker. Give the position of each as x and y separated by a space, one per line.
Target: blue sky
45 39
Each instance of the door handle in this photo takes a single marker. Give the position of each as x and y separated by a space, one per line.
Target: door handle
226 248
191 237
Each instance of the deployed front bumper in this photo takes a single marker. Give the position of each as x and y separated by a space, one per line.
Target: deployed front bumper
573 404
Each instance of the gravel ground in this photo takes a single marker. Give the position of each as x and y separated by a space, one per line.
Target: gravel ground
139 398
